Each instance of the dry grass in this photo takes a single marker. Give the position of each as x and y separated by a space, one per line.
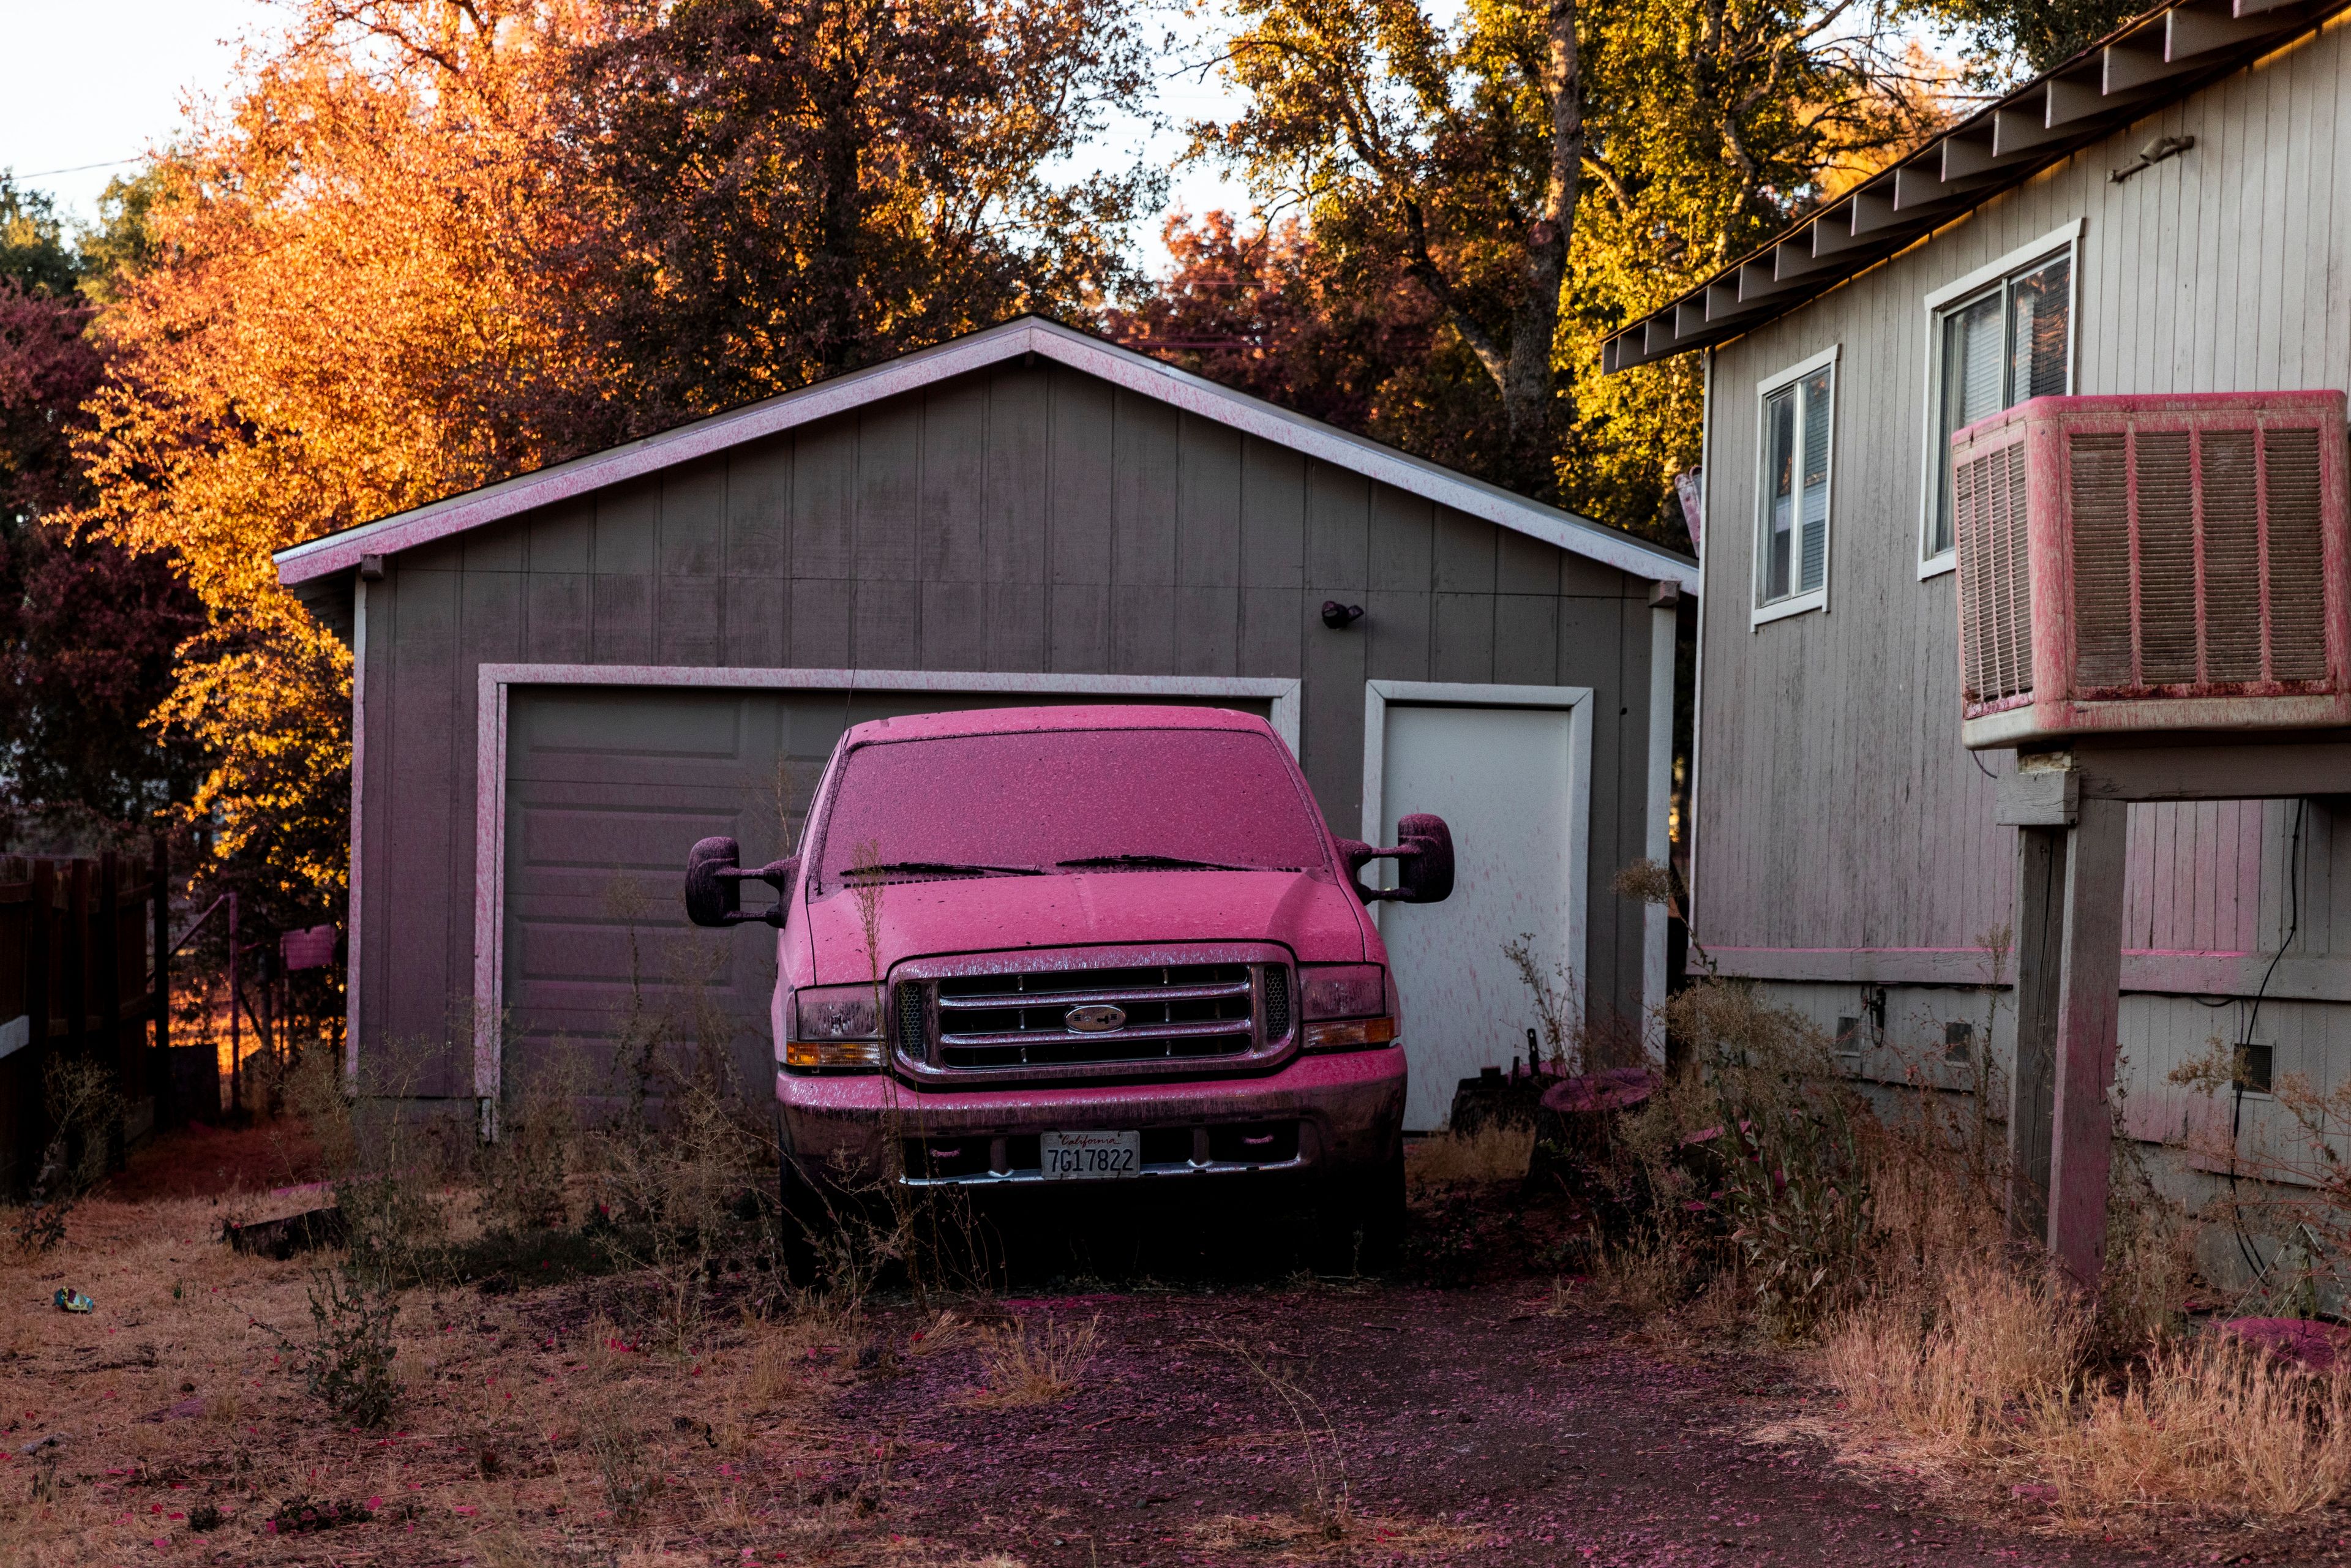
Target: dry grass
528 1431
1952 1377
1992 1379
806 1356
1022 1366
1492 1154
1647 1275
1315 1535
2212 1427
949 1331
1961 1355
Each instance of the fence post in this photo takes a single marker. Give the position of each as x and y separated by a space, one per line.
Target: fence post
106 965
169 1112
40 1000
73 985
236 1035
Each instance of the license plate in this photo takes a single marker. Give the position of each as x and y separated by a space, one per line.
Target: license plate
1092 1157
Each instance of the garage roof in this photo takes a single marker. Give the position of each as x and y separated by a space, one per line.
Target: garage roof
321 566
2153 61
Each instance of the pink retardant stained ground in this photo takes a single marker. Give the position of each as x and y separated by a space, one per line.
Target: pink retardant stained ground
1501 1433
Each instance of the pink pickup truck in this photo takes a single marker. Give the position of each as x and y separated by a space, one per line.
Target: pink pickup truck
1038 946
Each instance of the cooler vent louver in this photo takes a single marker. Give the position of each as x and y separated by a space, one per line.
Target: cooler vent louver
2153 563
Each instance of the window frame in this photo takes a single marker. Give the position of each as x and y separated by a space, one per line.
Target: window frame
1808 600
2066 241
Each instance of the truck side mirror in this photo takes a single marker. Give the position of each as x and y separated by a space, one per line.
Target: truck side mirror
1424 862
1426 872
714 884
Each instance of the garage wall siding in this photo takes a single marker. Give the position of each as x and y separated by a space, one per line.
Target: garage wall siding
1024 519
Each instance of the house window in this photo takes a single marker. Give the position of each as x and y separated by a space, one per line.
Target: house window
1791 544
2256 1068
2000 337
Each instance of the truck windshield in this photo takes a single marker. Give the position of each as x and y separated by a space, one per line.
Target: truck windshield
1067 801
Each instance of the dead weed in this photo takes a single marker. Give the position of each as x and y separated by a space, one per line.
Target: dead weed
1022 1366
1494 1152
1314 1536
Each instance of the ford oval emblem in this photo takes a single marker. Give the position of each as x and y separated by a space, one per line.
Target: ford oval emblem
1095 1019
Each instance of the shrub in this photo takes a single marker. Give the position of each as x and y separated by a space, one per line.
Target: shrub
85 1111
348 1365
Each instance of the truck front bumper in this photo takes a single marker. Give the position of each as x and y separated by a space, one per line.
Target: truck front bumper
1320 1113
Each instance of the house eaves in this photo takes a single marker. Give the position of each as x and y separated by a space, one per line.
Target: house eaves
320 571
2154 61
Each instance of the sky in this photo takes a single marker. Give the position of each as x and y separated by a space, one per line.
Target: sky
97 82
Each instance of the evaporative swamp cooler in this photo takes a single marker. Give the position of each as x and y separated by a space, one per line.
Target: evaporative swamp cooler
2157 563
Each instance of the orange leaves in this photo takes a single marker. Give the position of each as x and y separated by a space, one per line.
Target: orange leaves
344 318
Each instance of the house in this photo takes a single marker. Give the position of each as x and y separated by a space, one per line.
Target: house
2169 212
565 679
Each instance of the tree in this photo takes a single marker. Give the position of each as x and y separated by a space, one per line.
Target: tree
1541 174
86 628
427 244
2011 40
1263 310
341 317
33 248
792 188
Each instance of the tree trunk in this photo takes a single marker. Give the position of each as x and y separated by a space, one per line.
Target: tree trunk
1529 381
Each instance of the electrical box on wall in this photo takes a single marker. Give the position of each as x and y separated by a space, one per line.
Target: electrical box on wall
2156 563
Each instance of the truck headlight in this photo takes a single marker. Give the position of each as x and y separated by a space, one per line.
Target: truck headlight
1345 1007
835 1027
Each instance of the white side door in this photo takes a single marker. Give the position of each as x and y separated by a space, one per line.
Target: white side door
1508 769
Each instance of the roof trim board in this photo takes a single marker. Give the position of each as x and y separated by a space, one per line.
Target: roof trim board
312 562
2155 59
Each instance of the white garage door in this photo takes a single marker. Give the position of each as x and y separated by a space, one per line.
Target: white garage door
1513 782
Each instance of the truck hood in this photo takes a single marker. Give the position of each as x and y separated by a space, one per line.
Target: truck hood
1313 916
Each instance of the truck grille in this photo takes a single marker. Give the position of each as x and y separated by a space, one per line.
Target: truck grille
1172 1012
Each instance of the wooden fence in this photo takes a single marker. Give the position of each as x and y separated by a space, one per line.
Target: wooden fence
85 951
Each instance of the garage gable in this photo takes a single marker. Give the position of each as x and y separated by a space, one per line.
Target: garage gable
320 572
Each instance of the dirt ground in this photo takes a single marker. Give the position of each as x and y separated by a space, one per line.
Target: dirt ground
1250 1419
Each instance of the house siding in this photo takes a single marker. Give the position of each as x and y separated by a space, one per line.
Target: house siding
1843 835
1017 519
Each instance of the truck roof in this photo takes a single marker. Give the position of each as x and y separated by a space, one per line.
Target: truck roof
1018 720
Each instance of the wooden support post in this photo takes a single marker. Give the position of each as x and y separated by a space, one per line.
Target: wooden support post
2033 1083
2069 942
2089 1020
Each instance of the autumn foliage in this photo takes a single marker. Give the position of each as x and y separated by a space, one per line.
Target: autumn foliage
431 243
424 245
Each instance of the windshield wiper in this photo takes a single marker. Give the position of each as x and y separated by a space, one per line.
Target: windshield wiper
1165 862
940 868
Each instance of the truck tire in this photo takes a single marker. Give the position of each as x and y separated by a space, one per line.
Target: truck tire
1360 1226
801 1221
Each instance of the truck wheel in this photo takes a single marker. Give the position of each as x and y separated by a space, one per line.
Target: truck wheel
1360 1227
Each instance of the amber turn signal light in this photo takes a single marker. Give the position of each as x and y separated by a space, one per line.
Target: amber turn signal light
1351 1034
808 1055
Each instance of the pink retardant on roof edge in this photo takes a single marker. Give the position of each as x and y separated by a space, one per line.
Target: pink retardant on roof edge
1027 720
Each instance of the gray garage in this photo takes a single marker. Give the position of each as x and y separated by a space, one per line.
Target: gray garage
565 679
